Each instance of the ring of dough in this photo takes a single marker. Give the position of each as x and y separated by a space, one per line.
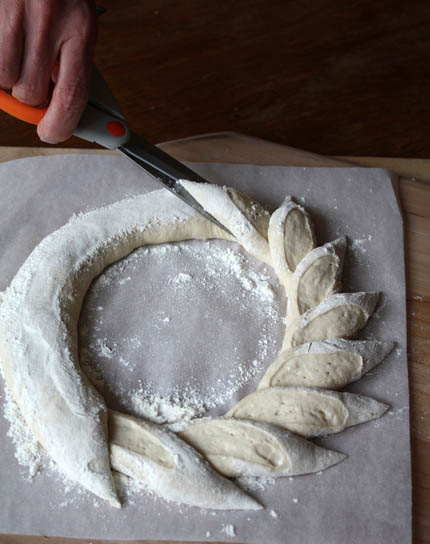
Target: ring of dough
40 311
39 348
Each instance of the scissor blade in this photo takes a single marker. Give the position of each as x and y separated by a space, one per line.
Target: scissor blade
167 171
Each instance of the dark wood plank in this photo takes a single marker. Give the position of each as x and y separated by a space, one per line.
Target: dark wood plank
345 77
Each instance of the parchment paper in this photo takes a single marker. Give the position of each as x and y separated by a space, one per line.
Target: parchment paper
366 498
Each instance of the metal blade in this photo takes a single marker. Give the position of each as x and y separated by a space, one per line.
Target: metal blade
167 171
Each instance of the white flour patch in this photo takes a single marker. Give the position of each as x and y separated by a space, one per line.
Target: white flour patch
359 246
399 413
174 411
28 452
255 483
182 278
229 529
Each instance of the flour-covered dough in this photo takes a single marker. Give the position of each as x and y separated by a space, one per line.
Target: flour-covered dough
169 467
39 313
291 237
330 364
248 448
38 325
318 274
246 219
307 411
339 316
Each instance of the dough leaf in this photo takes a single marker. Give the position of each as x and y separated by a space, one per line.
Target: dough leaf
169 467
329 365
307 411
318 274
291 237
245 448
339 316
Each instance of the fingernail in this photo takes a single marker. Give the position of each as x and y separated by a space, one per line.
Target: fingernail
48 140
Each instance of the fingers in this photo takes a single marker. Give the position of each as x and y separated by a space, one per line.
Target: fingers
70 94
38 57
11 43
33 34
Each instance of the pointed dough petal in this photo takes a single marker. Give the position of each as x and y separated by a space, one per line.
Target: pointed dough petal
307 411
238 447
169 467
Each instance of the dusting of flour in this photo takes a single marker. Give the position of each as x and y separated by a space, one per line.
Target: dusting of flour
164 371
113 363
28 452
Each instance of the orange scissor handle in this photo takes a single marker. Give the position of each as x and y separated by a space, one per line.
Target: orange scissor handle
14 107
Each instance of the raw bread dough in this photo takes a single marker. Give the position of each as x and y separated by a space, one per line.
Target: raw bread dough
38 326
168 466
248 225
38 349
331 364
291 237
318 274
247 448
339 316
307 411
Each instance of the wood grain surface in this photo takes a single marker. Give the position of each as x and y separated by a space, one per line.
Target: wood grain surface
415 201
345 77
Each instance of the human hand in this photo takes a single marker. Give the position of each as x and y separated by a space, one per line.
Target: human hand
34 35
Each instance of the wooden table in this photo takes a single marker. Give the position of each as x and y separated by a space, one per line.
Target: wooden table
415 200
347 77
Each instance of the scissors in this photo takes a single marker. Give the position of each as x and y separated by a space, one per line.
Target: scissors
102 122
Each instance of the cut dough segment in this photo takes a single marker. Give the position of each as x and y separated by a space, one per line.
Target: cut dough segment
339 316
220 202
246 448
140 438
330 365
169 467
318 274
307 411
291 237
252 210
328 370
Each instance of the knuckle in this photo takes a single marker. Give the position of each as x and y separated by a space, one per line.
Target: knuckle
26 93
30 89
72 97
85 21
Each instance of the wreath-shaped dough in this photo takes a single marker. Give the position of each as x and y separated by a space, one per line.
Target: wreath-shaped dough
39 354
